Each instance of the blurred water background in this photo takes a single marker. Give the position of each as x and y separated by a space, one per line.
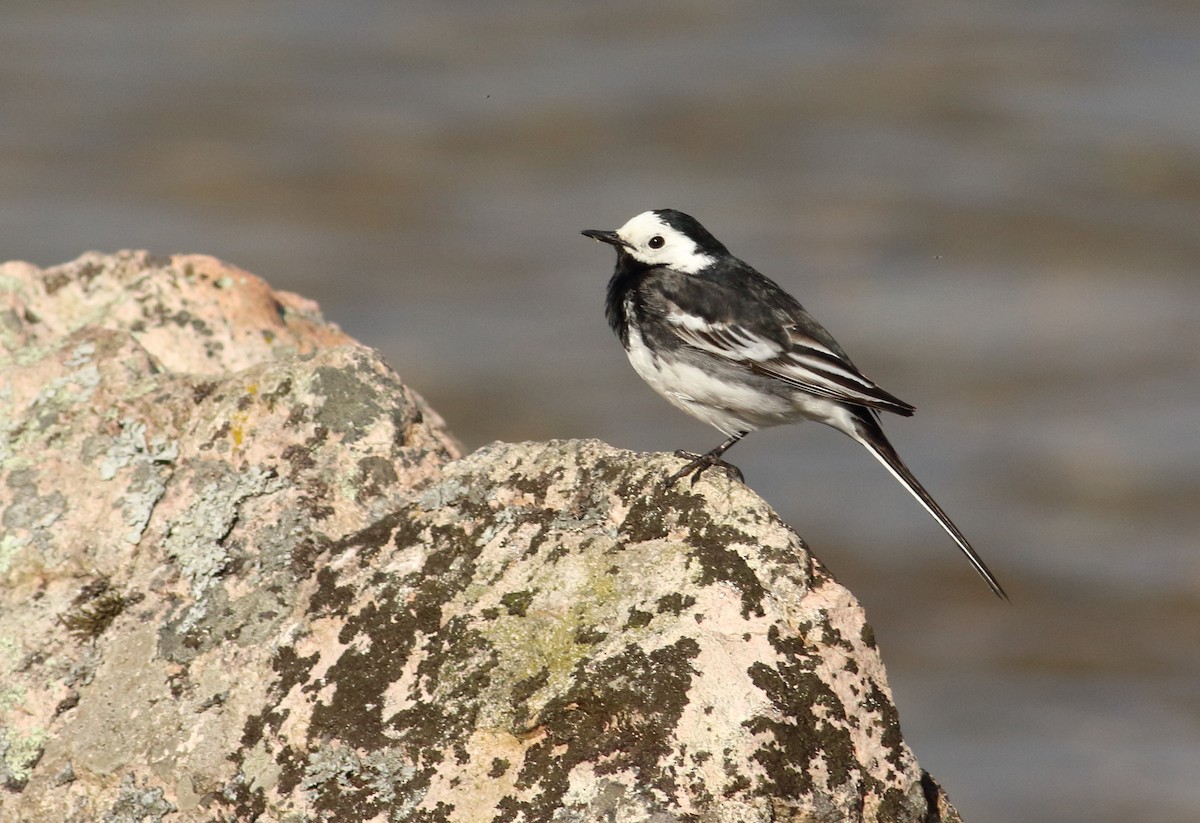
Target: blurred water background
994 206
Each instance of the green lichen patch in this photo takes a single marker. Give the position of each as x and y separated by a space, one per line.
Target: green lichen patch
196 537
138 802
19 753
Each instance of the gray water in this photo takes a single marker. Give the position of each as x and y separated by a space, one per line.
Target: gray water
995 207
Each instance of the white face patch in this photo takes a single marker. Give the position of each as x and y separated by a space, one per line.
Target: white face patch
651 241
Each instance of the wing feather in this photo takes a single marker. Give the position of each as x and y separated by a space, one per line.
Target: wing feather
798 359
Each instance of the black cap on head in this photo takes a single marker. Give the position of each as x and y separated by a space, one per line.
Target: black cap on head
690 226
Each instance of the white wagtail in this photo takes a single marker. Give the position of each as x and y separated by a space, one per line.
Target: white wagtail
730 347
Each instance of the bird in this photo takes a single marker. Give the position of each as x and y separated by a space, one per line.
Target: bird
729 346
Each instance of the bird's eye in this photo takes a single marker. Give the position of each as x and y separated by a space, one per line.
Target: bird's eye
656 242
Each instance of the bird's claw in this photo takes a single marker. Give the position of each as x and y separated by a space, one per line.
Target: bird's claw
698 463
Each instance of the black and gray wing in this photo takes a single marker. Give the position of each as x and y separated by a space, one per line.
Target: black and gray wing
777 339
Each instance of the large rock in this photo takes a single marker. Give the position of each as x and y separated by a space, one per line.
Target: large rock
246 575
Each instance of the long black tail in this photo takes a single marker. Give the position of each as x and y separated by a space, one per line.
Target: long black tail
869 433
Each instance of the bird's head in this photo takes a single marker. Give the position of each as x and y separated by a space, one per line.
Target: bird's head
664 237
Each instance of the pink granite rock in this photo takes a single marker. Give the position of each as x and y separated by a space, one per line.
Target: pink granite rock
246 575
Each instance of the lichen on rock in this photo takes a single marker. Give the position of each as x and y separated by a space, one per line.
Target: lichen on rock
247 574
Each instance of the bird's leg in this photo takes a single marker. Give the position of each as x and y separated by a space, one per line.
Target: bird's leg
700 462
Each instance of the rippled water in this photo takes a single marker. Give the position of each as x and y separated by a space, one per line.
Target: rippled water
995 207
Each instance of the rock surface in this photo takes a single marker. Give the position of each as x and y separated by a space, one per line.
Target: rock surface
245 574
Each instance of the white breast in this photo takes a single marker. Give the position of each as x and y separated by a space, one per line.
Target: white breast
729 407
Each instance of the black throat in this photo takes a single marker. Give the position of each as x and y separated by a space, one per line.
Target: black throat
625 279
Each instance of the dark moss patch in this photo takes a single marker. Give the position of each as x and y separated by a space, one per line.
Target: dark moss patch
398 528
830 636
930 791
330 598
178 683
316 499
638 619
791 646
736 785
674 603
457 666
720 563
302 555
589 635
222 433
516 603
159 261
375 475
291 768
522 691
280 392
645 521
213 700
618 713
352 403
291 668
535 485
454 671
67 703
354 713
603 474
546 521
298 416
868 636
500 765
253 729
794 735
889 721
237 796
449 567
710 543
202 390
55 281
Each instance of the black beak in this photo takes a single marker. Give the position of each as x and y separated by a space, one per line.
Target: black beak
609 237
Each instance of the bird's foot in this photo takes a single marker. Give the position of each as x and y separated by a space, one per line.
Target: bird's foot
700 462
